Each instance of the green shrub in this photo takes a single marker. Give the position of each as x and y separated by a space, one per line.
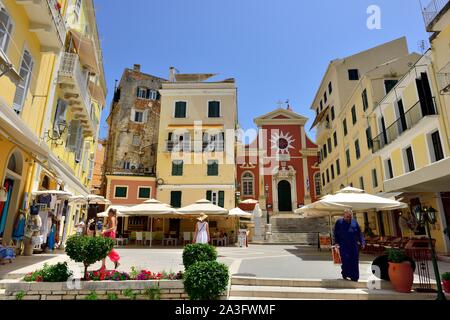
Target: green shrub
20 295
446 276
54 273
129 293
153 293
92 296
397 255
88 250
206 280
198 252
113 296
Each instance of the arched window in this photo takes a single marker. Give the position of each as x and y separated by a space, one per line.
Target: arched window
45 183
15 162
248 184
317 183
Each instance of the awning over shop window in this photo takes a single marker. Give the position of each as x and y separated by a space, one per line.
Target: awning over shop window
86 51
16 130
97 93
320 117
7 69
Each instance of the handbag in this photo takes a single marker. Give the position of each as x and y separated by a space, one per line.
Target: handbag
336 255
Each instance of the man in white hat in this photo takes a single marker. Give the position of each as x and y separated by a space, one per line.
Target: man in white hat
201 234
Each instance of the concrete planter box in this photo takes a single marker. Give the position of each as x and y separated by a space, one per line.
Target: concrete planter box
78 290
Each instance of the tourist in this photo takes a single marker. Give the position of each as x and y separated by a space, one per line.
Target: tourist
201 234
81 228
110 232
348 237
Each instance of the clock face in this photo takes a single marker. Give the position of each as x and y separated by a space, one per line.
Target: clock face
282 142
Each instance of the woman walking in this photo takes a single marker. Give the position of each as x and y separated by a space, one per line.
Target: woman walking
110 232
201 234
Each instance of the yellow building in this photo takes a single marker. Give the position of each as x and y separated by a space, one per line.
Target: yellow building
196 141
51 99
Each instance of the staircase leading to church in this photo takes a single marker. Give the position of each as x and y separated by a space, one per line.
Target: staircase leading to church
289 228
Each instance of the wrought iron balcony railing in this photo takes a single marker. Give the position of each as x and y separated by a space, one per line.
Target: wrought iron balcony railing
431 11
421 109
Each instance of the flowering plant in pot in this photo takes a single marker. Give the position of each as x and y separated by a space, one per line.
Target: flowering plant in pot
446 281
400 270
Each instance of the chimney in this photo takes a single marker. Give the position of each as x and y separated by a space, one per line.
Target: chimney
137 67
172 72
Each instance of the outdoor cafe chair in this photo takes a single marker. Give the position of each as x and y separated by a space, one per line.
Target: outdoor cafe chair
139 237
148 237
186 237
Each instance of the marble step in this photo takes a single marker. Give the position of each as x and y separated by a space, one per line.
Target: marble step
324 293
4 282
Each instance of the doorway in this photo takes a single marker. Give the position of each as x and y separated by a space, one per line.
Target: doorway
174 228
284 196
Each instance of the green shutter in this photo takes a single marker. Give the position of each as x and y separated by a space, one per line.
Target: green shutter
222 199
209 195
180 109
213 168
177 168
175 199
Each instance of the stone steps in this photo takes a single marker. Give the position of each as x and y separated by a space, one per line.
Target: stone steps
294 237
248 288
4 282
271 292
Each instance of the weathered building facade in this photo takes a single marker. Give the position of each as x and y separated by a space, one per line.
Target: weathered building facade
133 125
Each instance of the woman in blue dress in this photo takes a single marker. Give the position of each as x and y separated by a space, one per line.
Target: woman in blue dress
348 237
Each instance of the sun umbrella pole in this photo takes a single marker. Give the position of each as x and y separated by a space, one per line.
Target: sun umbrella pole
331 229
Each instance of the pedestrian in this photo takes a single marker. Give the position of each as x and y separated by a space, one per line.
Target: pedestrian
348 237
81 228
110 232
201 234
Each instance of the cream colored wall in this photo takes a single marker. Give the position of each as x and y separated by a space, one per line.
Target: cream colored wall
191 195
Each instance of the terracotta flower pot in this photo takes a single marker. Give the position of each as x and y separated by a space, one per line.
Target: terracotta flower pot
401 276
446 285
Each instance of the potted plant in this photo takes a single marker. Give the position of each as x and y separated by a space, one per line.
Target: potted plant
446 281
400 270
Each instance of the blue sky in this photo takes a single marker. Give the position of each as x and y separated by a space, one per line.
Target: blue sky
275 49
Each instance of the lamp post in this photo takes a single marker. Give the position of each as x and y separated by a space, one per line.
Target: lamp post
427 216
266 189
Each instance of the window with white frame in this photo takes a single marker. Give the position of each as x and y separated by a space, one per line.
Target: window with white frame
214 109
121 192
77 9
435 146
139 116
248 184
144 193
26 69
388 169
408 158
6 27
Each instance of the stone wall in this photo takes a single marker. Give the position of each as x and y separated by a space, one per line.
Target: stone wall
169 290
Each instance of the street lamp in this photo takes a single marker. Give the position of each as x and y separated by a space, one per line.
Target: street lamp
266 189
426 216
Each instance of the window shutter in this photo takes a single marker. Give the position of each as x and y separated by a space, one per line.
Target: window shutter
132 115
86 155
26 68
60 115
175 199
145 116
79 145
71 142
5 30
222 199
209 195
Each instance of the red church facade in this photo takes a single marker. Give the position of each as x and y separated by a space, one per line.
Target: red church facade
282 163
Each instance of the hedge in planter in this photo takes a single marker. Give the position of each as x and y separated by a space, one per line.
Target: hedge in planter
198 252
88 250
206 280
54 273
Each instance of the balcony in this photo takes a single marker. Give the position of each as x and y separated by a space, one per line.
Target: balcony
178 146
46 22
432 12
73 82
420 110
444 80
323 130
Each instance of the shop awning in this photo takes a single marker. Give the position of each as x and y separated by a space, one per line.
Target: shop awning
14 128
320 117
86 51
7 69
97 93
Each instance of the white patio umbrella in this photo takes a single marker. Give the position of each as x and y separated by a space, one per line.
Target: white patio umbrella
202 206
120 212
89 199
150 208
238 212
61 193
250 201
